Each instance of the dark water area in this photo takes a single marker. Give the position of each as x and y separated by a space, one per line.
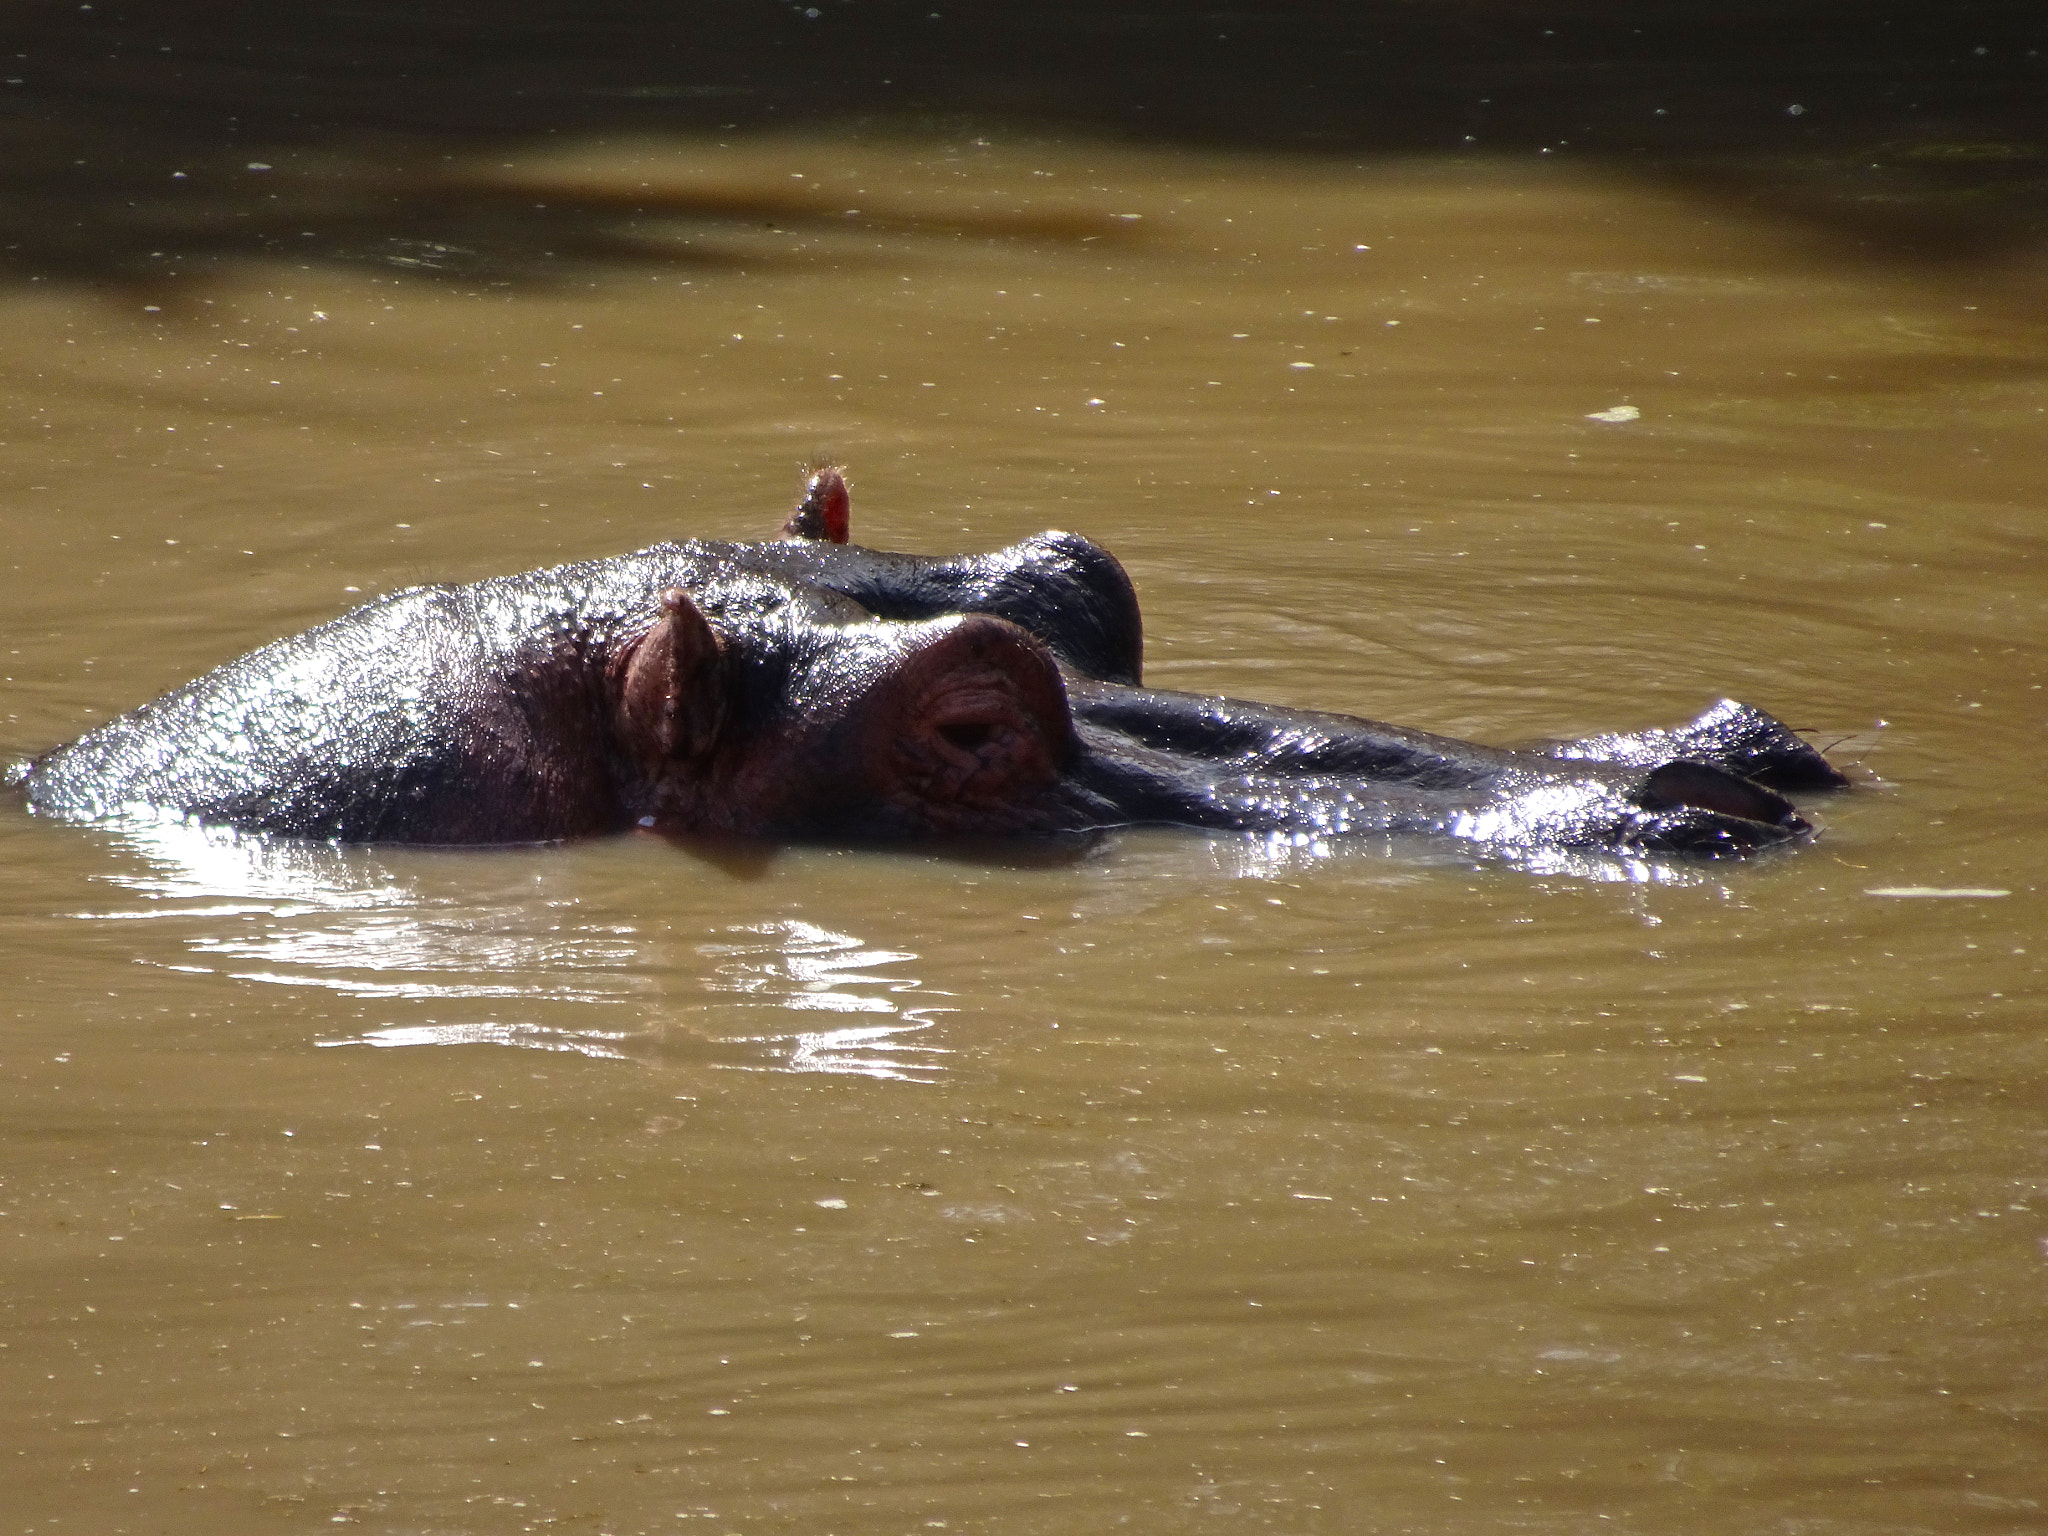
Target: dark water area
135 130
1173 1183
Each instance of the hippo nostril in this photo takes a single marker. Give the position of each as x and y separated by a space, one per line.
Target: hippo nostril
1707 788
968 735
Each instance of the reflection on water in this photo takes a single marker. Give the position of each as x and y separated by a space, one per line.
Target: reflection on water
344 921
511 948
339 918
1278 855
238 875
533 1037
804 968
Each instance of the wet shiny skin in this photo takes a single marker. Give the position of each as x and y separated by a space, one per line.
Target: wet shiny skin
733 690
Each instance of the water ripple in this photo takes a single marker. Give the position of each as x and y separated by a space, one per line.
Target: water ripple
520 951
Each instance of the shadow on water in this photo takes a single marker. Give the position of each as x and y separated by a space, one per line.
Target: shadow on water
751 859
147 141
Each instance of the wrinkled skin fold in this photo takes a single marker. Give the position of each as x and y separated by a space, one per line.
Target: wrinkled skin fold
809 688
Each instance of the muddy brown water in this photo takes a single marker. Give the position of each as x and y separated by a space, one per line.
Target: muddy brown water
1191 1183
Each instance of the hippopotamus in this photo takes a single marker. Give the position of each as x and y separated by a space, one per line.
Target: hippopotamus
805 687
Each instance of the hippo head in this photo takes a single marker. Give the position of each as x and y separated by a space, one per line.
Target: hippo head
747 710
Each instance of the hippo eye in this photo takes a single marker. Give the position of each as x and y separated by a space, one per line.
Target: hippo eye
968 735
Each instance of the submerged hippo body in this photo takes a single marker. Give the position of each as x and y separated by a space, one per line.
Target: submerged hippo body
807 688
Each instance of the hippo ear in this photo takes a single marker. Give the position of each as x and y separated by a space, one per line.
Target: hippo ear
673 697
825 513
968 731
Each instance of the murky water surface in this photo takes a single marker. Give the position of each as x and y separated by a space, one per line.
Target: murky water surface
1188 1183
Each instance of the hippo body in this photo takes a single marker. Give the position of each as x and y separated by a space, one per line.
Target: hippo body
811 688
